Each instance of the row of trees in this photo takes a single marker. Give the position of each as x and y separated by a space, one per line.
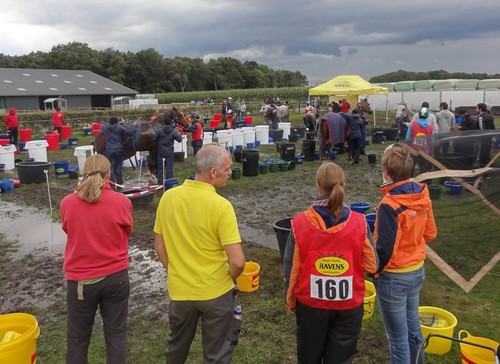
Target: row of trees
147 71
429 75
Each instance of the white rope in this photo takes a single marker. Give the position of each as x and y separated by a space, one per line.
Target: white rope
46 171
163 180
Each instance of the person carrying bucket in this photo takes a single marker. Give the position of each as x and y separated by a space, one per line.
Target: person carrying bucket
404 225
98 223
327 253
200 247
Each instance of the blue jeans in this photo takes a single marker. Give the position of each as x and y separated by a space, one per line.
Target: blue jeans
398 299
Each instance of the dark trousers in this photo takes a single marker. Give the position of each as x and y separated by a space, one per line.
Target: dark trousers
59 131
216 329
13 135
111 297
355 147
197 144
327 336
116 161
169 167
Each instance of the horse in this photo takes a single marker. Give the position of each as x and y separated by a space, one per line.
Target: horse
143 137
363 107
403 117
274 114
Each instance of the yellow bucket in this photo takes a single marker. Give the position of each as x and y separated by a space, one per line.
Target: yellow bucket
21 349
472 354
369 300
434 320
248 281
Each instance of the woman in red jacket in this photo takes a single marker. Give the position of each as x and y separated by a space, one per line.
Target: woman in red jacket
98 223
328 251
12 123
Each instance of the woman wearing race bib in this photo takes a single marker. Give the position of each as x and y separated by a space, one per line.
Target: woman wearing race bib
328 251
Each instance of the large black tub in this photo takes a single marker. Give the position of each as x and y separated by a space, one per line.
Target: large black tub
456 160
32 172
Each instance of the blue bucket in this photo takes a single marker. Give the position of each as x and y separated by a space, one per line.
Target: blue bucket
87 131
370 219
22 146
63 145
257 143
249 145
191 177
171 182
333 154
73 142
455 188
61 168
360 206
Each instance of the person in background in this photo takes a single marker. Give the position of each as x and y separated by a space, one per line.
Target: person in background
309 121
165 137
197 132
404 225
328 302
12 123
198 242
431 118
114 133
308 109
226 106
237 110
345 106
485 121
356 137
243 109
420 132
446 122
230 120
58 121
96 263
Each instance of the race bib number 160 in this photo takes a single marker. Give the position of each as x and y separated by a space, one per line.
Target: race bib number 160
331 288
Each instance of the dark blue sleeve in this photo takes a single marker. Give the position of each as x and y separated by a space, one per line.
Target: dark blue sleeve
288 261
386 234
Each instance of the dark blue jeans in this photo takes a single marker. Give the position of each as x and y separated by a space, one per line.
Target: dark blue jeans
116 161
169 167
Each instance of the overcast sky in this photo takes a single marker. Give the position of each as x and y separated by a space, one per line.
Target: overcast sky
321 39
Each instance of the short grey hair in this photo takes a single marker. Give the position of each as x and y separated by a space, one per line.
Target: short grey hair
209 156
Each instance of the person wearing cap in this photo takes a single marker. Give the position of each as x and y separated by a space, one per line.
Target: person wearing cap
230 120
12 123
197 132
420 133
431 118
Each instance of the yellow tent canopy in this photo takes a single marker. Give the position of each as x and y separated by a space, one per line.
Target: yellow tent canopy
347 85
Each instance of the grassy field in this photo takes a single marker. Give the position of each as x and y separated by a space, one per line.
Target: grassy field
467 239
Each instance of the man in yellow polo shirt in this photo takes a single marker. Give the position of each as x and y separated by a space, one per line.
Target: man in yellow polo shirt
198 242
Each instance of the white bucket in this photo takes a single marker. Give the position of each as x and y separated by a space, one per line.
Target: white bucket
286 129
249 134
207 137
224 138
182 146
37 149
262 134
238 137
81 155
7 156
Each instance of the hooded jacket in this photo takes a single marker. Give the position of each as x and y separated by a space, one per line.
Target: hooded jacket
166 136
445 120
11 119
404 225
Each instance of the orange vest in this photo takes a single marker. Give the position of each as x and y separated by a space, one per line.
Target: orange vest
331 275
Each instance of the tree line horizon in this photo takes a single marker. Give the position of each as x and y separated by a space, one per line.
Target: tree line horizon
147 71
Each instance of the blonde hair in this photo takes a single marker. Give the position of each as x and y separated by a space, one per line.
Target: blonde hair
397 162
331 179
95 173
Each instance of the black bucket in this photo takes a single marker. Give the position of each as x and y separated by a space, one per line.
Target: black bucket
237 155
308 149
340 148
250 163
178 156
300 131
32 172
287 151
310 135
377 136
456 160
391 133
282 229
276 134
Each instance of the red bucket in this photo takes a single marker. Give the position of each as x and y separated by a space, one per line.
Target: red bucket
214 123
218 117
96 128
66 131
25 135
248 120
52 141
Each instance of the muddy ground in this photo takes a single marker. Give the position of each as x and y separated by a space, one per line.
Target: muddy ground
32 256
